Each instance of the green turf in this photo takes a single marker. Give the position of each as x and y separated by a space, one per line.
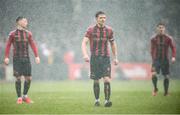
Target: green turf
76 97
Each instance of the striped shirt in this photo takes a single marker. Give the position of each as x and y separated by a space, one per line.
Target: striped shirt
99 38
160 45
20 40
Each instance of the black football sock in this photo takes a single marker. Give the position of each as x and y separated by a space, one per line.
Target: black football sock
107 90
27 84
154 81
18 87
166 85
96 90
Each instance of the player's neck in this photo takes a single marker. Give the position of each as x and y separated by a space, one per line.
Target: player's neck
100 25
161 34
20 28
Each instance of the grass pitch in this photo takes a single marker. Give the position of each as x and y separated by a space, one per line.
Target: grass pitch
76 97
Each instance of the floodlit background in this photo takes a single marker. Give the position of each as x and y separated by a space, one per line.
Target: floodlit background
58 27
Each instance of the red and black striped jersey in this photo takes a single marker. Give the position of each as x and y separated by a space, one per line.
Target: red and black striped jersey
160 45
99 38
21 39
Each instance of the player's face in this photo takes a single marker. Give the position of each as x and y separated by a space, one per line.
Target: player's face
161 29
23 23
101 19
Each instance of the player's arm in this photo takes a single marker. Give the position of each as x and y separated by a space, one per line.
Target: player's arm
114 48
7 49
114 52
152 50
84 49
173 48
34 48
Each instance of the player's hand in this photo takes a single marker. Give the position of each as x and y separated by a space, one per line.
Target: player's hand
6 61
116 61
37 59
173 59
86 58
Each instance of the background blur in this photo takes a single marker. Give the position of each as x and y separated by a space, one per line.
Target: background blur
58 27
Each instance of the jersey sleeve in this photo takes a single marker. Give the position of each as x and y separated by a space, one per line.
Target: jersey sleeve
173 47
111 38
32 44
152 49
88 33
8 44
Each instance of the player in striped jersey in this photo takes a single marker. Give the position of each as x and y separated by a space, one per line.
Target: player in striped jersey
160 44
99 36
20 39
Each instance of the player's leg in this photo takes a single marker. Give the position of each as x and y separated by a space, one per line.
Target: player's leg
94 70
18 89
155 72
27 84
96 89
107 88
106 74
18 86
154 81
17 75
166 84
107 91
165 72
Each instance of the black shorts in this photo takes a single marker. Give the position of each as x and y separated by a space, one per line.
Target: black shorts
100 67
21 66
161 65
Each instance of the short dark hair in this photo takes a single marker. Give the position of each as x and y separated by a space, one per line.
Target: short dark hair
99 13
19 18
161 24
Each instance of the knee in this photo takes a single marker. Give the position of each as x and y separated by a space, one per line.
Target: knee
106 80
28 78
154 74
96 81
18 78
166 77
